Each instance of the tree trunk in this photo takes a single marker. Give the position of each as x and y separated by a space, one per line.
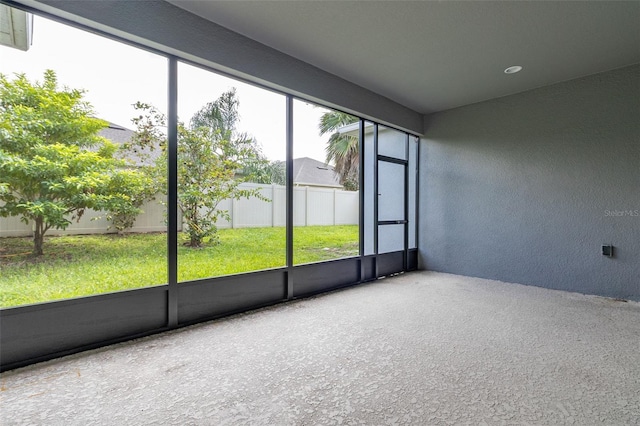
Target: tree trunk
195 240
38 237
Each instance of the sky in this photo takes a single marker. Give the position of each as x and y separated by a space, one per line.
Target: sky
116 75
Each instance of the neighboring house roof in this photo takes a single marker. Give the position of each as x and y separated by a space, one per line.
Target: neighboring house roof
306 171
116 133
310 172
120 135
354 128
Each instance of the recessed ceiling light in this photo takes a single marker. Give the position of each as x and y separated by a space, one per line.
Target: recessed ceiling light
514 69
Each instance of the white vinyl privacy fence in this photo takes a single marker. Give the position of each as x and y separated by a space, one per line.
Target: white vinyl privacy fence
311 206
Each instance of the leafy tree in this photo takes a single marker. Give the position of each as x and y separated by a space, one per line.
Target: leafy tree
213 159
53 163
139 184
342 150
221 116
264 171
141 163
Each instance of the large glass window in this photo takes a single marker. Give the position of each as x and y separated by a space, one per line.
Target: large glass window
231 176
83 172
127 171
81 208
326 183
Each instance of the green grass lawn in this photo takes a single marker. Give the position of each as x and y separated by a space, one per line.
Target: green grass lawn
83 265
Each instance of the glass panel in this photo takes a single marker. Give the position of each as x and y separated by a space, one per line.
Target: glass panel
390 191
411 192
231 176
369 189
390 238
326 180
392 143
81 208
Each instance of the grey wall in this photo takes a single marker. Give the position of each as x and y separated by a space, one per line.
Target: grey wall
172 30
525 188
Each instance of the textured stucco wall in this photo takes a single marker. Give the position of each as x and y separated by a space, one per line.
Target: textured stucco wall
527 188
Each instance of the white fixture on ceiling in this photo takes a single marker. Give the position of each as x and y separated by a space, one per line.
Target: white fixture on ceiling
513 69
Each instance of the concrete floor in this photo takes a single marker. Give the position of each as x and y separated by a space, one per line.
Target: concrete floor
422 349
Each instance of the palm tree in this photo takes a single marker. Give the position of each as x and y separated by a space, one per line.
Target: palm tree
342 150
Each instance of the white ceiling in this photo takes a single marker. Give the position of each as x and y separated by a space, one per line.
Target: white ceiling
431 56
